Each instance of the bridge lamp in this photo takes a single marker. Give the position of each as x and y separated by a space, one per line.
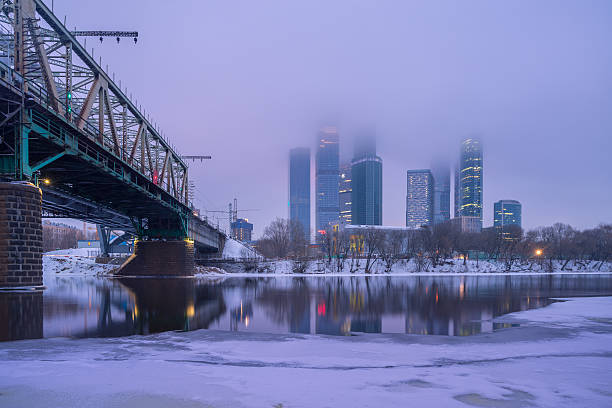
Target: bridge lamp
47 181
538 252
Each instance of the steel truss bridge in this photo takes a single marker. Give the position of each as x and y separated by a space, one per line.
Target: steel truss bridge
66 126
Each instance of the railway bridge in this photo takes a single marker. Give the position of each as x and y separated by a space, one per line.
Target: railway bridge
73 144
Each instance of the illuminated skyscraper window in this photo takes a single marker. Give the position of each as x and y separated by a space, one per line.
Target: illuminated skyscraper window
419 198
468 180
345 190
327 173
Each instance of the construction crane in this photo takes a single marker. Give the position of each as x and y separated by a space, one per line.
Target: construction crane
194 158
102 34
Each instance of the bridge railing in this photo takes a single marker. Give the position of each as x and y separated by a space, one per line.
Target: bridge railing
48 57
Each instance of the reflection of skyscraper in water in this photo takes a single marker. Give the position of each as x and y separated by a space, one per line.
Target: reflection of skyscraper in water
362 324
241 315
299 317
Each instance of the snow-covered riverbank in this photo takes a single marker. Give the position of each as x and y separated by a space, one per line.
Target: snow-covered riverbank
560 356
76 262
322 267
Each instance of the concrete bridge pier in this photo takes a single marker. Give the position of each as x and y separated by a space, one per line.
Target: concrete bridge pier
160 258
20 235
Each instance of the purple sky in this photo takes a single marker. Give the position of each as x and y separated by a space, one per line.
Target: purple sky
247 80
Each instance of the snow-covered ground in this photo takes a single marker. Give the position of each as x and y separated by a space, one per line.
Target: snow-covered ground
73 262
322 267
237 250
561 355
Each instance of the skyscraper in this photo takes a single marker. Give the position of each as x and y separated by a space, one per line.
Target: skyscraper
299 187
327 173
441 206
366 178
419 198
506 212
345 190
469 179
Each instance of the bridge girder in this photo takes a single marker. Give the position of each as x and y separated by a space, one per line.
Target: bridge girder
56 70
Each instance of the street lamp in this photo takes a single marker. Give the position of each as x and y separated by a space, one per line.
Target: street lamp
538 252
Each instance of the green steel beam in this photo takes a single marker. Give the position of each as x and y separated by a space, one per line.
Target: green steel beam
49 160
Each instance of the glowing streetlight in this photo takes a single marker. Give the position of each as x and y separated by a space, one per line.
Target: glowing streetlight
538 252
47 181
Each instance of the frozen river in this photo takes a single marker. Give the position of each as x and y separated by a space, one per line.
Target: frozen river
87 306
275 342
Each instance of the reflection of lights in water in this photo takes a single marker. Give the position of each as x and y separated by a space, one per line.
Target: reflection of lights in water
346 326
190 310
461 290
321 309
135 311
246 321
436 296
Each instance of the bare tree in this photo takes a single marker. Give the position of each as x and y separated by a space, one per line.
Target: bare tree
373 239
393 247
298 244
283 238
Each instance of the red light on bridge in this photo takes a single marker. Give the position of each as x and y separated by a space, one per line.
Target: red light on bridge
155 177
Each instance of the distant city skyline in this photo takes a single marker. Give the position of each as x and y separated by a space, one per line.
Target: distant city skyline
263 80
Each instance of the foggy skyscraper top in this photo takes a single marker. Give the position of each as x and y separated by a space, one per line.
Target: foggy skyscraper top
364 145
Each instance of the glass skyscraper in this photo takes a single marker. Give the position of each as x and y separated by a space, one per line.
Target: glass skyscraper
419 198
345 191
299 187
468 180
327 175
366 179
507 212
441 175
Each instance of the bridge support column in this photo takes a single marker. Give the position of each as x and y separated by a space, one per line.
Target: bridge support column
20 235
160 258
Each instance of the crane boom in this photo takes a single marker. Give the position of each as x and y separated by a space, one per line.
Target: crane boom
101 34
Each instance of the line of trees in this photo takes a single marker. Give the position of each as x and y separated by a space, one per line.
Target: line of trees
62 236
559 246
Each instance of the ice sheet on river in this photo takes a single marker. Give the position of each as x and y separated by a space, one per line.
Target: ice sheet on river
560 356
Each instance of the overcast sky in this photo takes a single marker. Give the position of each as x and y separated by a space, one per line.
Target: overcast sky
245 81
